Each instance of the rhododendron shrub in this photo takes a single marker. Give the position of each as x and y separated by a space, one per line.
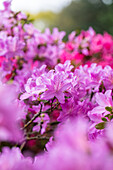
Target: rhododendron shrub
56 97
88 47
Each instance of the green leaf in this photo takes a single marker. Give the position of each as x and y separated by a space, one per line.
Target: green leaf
100 125
67 97
104 119
107 115
109 109
45 101
111 117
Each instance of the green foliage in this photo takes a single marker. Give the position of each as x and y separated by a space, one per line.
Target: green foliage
100 125
109 109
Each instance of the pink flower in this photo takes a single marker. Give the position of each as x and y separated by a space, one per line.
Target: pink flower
103 101
9 114
96 44
15 160
56 87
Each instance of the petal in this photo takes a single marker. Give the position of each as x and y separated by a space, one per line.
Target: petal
65 87
25 96
101 99
60 96
48 95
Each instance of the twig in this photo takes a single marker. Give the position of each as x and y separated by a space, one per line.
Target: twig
33 118
36 137
22 145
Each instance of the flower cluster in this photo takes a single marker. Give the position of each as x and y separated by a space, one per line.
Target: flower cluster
56 104
88 47
22 44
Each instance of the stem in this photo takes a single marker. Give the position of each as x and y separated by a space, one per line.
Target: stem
32 133
37 137
52 108
52 104
22 145
33 118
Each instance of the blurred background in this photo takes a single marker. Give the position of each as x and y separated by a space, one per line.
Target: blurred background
68 15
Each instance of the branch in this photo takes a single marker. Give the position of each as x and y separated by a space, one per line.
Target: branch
37 137
33 118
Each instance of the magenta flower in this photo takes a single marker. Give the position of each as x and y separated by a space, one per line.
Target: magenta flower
66 67
103 101
34 85
14 46
33 89
96 44
15 160
70 147
99 112
9 115
56 87
3 46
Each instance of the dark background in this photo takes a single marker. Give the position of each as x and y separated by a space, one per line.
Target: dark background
79 15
